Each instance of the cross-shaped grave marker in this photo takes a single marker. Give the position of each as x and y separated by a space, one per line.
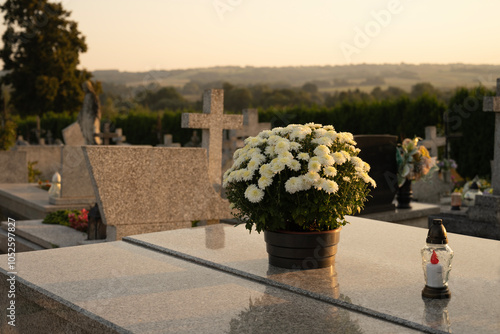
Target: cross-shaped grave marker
106 135
251 125
432 141
492 103
213 122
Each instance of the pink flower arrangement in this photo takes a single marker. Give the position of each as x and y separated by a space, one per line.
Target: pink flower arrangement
80 222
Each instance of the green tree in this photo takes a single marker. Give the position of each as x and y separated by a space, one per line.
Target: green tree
163 98
7 125
40 52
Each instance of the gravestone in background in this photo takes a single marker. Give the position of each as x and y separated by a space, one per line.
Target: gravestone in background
13 167
72 135
151 189
48 158
380 152
76 187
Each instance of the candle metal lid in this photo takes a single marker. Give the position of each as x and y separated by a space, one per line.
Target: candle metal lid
437 233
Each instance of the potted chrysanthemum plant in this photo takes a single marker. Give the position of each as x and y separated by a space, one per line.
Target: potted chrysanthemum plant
297 184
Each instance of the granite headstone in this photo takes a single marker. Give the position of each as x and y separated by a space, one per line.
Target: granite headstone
144 189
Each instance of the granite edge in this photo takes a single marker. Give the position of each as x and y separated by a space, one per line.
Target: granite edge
97 195
80 312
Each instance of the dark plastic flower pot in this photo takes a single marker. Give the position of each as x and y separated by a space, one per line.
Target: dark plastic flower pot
302 250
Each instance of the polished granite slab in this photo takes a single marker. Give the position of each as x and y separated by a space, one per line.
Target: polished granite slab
377 272
121 287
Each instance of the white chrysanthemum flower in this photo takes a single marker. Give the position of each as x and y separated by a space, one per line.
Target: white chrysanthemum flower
313 125
318 133
277 130
322 141
294 146
339 158
321 150
285 155
277 166
346 137
264 181
330 171
273 139
254 194
226 173
294 165
329 186
253 151
332 135
346 155
367 179
346 179
253 165
270 151
259 158
327 160
237 175
282 146
237 153
300 132
306 185
265 134
265 170
253 141
293 185
311 177
314 164
303 156
366 167
241 160
329 128
357 162
288 129
285 160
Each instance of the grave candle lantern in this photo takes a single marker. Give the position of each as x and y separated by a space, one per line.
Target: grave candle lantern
436 262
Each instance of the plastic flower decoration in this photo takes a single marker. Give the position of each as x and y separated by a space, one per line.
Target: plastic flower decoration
447 164
299 178
414 162
79 222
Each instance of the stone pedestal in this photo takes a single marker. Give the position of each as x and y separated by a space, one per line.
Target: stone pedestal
486 208
481 220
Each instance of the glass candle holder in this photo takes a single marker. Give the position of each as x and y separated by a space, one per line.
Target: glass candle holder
436 262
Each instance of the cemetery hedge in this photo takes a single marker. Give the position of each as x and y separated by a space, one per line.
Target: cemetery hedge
473 149
402 116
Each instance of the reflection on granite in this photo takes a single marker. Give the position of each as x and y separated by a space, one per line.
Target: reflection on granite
378 267
436 314
325 279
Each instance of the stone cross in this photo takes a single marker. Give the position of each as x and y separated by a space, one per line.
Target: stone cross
106 135
251 125
213 122
492 103
432 141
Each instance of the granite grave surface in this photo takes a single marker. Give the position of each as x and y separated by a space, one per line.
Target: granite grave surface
119 287
216 279
378 267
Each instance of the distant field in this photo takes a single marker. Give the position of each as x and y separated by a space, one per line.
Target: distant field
327 78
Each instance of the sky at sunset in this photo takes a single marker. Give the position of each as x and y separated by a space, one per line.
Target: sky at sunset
133 35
